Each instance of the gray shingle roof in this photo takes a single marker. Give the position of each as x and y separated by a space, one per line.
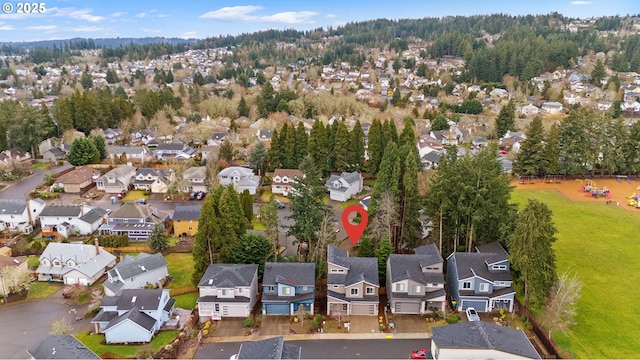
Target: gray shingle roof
295 274
350 178
139 211
195 172
359 268
229 275
484 335
93 215
274 348
132 266
13 207
145 299
136 316
82 254
61 210
187 212
61 347
409 266
470 264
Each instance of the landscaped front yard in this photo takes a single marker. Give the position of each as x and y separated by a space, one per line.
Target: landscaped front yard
95 343
600 243
186 301
135 195
41 289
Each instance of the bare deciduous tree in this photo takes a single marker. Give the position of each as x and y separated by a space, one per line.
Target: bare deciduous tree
16 279
386 217
326 236
561 309
61 327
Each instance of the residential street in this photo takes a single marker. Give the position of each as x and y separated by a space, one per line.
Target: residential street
330 349
20 189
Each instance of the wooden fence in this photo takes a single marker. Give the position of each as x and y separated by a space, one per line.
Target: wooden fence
182 290
128 249
549 345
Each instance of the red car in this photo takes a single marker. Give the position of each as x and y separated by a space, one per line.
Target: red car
421 354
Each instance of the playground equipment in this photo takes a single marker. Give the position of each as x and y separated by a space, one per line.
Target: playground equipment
603 192
620 178
588 186
634 200
554 178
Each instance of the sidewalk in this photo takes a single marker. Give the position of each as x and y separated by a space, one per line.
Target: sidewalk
324 336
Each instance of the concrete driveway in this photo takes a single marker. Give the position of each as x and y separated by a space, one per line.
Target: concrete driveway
274 325
229 327
360 324
408 323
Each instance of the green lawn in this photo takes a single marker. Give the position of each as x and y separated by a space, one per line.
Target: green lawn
134 195
33 262
369 182
41 289
186 301
173 240
601 244
181 268
94 342
38 166
348 203
266 195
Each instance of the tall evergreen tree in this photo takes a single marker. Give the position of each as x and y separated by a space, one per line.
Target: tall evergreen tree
551 150
232 224
341 149
258 157
82 152
100 144
356 148
204 250
598 73
301 143
86 81
505 120
273 155
246 201
158 240
407 136
317 145
574 145
374 148
410 226
532 159
388 178
531 251
289 147
253 249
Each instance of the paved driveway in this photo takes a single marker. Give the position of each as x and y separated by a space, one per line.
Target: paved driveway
229 327
362 324
274 325
24 324
407 323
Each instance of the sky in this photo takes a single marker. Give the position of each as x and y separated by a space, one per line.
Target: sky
64 19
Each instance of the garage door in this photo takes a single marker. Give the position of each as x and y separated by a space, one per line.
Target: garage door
364 309
233 311
70 280
478 305
407 307
277 309
84 281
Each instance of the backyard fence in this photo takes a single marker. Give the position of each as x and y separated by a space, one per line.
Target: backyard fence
182 290
128 249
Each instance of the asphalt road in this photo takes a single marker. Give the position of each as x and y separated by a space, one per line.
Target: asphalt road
330 349
21 189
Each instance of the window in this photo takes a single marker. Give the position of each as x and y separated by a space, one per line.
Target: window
466 285
305 288
286 291
56 263
417 289
370 291
499 267
217 307
337 270
239 290
344 307
354 291
484 287
225 292
335 286
270 288
399 287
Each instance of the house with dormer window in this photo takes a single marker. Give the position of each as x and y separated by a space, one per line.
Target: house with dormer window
352 284
74 263
283 180
155 180
174 151
116 180
288 288
415 282
342 187
134 220
481 279
19 215
227 290
67 220
194 179
241 178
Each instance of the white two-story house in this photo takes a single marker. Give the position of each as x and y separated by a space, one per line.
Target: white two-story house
283 179
19 215
116 180
227 290
193 179
342 187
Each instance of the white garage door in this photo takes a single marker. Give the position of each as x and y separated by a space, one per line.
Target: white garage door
364 309
407 308
70 280
233 311
84 281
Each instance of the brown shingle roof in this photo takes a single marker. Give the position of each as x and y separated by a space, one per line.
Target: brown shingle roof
78 176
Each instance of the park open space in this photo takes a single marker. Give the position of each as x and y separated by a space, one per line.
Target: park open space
599 242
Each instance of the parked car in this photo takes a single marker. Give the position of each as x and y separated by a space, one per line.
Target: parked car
200 195
192 196
140 201
67 292
280 204
472 314
421 354
122 194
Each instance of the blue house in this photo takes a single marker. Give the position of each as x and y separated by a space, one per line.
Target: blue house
133 315
288 287
482 279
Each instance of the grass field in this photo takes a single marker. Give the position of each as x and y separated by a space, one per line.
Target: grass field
181 268
134 195
186 301
94 342
600 243
41 289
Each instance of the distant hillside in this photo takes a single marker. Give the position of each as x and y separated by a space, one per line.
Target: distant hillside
94 43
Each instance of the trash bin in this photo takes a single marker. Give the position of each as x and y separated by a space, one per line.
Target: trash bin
113 199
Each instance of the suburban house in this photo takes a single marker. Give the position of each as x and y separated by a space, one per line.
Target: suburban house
185 220
431 160
74 263
111 136
67 220
19 216
15 155
193 179
134 220
227 290
288 287
342 187
136 272
283 180
241 178
352 284
174 150
78 180
61 347
54 154
116 180
131 154
133 315
552 107
275 348
156 180
481 279
415 282
480 340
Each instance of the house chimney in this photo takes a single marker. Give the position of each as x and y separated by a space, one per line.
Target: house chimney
97 246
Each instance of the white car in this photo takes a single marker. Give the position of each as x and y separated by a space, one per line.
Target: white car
472 314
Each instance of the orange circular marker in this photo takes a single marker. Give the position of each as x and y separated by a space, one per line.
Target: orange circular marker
355 231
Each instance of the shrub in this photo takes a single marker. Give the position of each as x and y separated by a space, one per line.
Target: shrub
205 332
92 313
382 327
248 322
452 318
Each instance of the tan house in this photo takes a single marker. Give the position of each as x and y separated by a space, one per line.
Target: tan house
283 180
78 180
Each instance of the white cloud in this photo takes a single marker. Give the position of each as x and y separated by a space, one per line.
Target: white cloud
4 27
163 16
189 34
118 14
579 2
141 15
331 16
147 30
77 14
245 13
42 27
86 29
